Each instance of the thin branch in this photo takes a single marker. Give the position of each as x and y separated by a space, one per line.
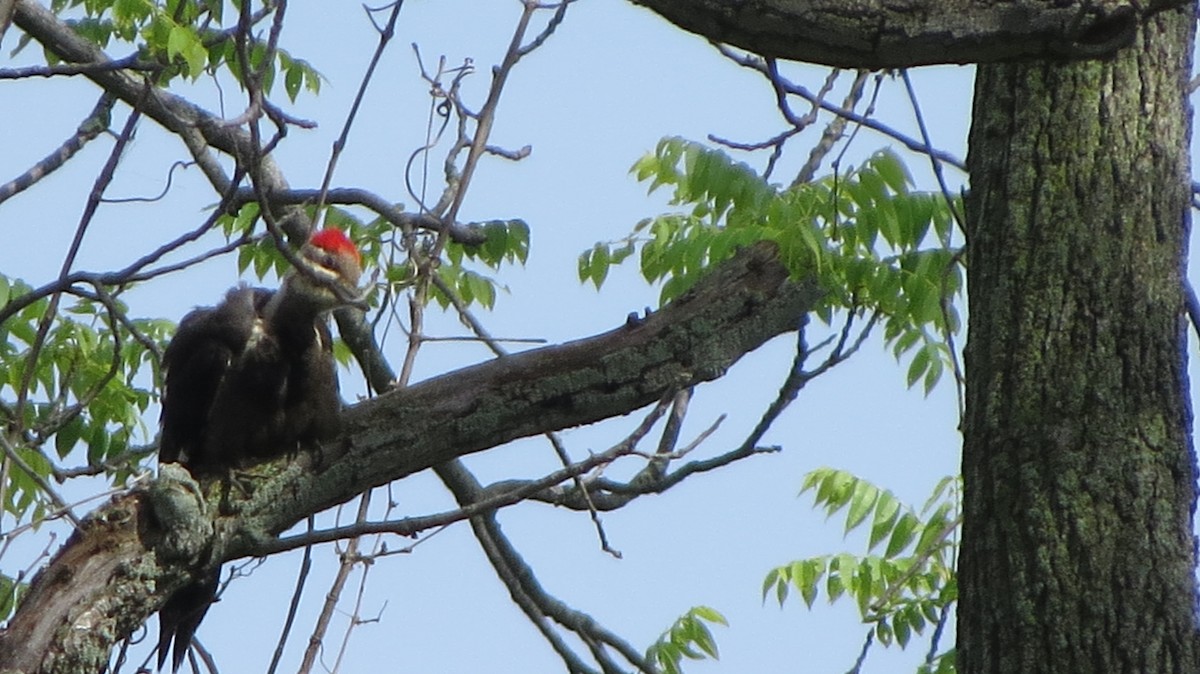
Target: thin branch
862 654
938 630
469 233
555 441
797 378
61 507
385 36
126 460
294 604
487 115
757 64
560 13
934 160
130 62
410 526
607 495
89 210
348 560
165 190
833 131
89 129
524 587
917 565
132 273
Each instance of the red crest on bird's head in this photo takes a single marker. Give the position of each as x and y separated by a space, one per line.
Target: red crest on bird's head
335 242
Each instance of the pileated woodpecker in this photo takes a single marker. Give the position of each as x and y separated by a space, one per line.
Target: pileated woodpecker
249 379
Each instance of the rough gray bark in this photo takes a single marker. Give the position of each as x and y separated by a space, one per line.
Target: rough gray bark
878 34
135 551
1079 474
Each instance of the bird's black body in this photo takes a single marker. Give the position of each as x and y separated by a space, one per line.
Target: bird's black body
241 388
249 379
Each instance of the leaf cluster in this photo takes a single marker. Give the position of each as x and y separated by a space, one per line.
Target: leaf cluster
875 245
689 637
899 590
185 38
507 242
89 383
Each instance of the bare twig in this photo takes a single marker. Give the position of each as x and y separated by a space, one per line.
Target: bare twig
469 234
833 132
409 526
165 190
862 654
757 64
294 604
130 62
92 126
385 36
349 558
934 160
528 593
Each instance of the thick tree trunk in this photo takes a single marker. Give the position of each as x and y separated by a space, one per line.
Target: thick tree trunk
1078 465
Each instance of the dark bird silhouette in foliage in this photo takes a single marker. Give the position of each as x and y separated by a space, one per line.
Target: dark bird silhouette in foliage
250 379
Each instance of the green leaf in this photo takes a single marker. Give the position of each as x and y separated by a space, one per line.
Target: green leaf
861 503
906 341
293 79
892 170
68 436
918 366
600 262
887 510
183 41
936 367
806 574
244 258
518 239
883 632
769 582
710 614
585 266
262 258
934 527
903 534
98 444
496 244
481 289
835 586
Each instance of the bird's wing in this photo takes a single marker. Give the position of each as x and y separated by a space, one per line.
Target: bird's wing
196 362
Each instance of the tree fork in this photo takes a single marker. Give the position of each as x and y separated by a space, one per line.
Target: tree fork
1078 469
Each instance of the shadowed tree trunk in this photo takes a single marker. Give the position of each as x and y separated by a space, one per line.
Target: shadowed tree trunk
1077 547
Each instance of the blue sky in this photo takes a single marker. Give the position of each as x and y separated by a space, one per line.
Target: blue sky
607 86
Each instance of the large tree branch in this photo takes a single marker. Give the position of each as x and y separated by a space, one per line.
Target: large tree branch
134 552
878 34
